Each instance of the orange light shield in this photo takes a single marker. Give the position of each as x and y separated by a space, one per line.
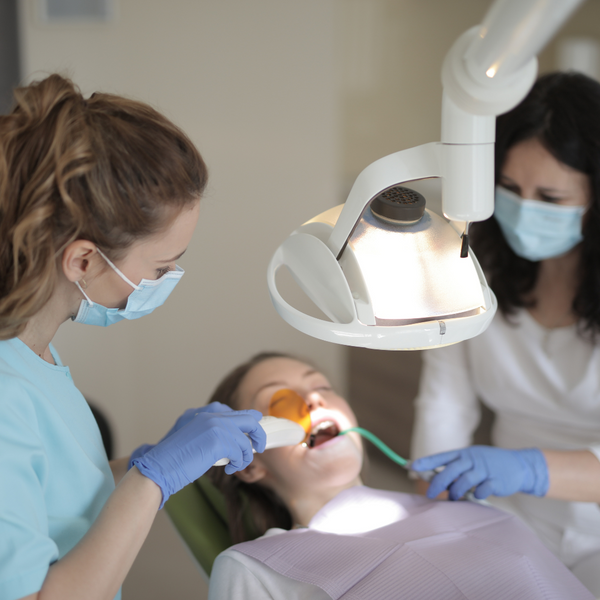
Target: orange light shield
288 404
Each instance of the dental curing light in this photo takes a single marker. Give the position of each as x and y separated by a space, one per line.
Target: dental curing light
386 271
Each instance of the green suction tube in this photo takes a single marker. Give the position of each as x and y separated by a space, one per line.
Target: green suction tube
379 444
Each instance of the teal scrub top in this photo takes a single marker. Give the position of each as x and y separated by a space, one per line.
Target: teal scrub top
54 473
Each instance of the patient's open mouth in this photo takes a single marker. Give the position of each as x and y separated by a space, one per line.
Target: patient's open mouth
322 432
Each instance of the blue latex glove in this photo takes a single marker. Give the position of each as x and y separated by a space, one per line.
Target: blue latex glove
184 419
189 452
488 469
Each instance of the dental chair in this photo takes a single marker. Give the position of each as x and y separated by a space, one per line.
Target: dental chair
199 514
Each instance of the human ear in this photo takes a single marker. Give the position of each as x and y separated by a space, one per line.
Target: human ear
76 259
254 472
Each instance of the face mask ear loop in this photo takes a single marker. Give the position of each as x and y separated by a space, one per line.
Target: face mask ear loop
90 303
117 271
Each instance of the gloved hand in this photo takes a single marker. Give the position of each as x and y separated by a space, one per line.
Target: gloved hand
184 419
189 452
488 469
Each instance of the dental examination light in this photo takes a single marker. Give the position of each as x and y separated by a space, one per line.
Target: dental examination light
389 273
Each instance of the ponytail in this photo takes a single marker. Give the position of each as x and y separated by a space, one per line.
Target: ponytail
102 169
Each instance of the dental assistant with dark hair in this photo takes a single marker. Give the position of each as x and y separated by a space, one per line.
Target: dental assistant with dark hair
98 199
537 367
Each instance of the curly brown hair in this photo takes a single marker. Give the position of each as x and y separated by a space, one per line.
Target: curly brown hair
104 169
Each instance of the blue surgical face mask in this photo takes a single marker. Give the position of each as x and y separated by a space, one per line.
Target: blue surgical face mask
146 296
537 230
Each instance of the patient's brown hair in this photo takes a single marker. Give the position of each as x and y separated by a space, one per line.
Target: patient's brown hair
266 508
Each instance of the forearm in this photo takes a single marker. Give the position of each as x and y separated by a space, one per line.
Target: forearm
96 567
119 468
574 475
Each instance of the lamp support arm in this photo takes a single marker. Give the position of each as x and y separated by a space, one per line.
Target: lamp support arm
512 33
419 162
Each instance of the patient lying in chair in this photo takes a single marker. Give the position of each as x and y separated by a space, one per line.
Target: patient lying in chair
325 535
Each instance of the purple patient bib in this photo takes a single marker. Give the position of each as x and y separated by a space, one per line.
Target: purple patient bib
368 543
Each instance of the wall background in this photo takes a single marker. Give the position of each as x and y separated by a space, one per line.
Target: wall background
287 102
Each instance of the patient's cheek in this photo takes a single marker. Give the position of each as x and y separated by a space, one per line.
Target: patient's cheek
279 459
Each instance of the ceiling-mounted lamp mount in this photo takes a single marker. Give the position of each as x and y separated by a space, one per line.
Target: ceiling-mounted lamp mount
409 283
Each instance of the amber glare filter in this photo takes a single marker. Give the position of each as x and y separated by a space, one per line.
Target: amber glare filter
287 404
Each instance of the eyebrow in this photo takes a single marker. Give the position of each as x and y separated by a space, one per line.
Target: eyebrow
542 189
272 383
170 260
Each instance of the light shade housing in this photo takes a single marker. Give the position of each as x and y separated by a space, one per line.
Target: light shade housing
396 285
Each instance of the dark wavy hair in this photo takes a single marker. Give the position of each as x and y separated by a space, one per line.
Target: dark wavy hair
562 111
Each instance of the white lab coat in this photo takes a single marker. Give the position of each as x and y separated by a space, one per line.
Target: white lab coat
544 388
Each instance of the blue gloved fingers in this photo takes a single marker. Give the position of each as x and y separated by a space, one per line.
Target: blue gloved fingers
238 445
230 469
246 455
236 455
243 458
489 470
215 407
427 463
453 471
484 490
248 422
191 413
468 480
245 421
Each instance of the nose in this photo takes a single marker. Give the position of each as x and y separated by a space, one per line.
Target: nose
314 400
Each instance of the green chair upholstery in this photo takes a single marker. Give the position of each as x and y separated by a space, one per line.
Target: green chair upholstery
199 514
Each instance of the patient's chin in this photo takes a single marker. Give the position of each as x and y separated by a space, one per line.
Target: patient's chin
338 464
333 464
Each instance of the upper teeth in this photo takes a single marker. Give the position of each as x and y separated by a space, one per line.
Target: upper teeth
320 426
